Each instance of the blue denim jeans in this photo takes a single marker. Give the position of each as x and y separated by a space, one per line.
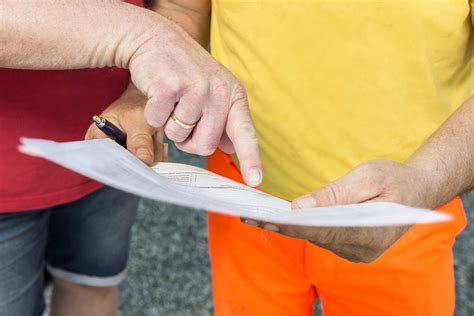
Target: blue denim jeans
85 242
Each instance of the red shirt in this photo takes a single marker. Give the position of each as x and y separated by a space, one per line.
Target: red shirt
55 105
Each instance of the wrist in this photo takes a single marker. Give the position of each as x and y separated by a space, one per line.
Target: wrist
137 26
432 182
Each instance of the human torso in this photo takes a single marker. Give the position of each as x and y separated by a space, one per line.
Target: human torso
56 105
332 84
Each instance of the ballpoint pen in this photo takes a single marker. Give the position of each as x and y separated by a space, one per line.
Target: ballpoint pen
110 130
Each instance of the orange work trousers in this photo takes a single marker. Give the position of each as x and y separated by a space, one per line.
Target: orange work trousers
256 272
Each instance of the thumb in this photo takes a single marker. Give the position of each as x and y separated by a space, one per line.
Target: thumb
139 133
140 140
242 134
354 187
141 145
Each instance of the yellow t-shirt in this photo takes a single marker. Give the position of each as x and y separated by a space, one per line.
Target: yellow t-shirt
334 83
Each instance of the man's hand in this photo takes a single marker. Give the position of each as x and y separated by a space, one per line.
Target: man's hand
180 78
175 73
213 92
143 140
374 181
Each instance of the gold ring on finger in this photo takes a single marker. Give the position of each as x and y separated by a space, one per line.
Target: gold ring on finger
182 124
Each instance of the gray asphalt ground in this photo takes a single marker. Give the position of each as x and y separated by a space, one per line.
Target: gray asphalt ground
169 266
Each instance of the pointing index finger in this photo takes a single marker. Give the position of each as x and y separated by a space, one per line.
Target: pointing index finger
242 133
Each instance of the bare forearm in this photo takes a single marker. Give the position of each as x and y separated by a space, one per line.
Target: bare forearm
172 70
448 155
192 15
63 34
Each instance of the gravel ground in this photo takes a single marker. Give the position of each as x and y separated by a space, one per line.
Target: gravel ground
464 263
169 265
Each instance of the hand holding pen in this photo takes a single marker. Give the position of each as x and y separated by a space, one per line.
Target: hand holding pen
117 135
123 121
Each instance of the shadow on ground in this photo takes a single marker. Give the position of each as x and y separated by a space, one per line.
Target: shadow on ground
169 266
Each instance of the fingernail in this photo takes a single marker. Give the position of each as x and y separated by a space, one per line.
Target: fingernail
271 227
305 201
255 176
250 222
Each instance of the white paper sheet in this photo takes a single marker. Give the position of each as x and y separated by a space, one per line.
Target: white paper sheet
109 163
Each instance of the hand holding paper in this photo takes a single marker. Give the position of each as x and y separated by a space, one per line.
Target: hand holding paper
373 181
107 162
